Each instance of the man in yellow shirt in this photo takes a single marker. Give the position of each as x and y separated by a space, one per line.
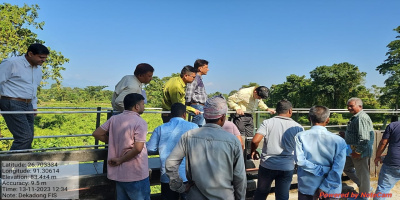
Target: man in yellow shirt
174 92
245 102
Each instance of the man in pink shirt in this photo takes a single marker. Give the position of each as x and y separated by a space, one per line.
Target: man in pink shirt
128 162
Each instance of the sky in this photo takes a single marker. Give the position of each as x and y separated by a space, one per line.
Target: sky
261 41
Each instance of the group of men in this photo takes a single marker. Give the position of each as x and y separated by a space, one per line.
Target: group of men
203 159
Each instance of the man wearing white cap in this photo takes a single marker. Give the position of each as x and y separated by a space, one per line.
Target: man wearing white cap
214 161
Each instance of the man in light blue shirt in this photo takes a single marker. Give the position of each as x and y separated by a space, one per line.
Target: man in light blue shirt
320 156
19 79
164 139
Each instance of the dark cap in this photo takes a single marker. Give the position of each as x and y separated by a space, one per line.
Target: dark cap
262 92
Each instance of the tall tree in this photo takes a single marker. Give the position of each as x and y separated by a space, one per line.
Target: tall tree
16 25
333 84
391 67
154 90
296 89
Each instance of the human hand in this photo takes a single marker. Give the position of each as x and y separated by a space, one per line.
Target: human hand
377 160
271 111
35 113
197 112
114 162
255 155
239 112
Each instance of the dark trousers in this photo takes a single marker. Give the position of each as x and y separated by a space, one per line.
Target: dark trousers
20 125
244 123
168 194
282 183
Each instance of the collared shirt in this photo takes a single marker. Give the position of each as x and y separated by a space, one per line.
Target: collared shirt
360 134
124 130
321 156
244 100
195 91
19 79
279 144
164 139
392 133
128 84
214 161
174 92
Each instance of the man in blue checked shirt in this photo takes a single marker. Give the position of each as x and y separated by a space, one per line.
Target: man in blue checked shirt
196 94
163 140
320 156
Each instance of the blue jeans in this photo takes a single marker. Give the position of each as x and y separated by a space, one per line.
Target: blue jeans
20 125
282 183
198 119
388 177
139 190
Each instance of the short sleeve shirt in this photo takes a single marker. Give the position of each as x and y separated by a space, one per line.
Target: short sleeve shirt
392 133
124 130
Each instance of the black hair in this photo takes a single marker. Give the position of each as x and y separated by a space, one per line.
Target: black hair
187 70
38 49
178 109
143 68
283 106
263 92
131 100
199 63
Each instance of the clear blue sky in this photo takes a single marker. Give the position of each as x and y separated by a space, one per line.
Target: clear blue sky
244 41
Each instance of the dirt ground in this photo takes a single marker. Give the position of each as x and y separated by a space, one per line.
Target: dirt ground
374 181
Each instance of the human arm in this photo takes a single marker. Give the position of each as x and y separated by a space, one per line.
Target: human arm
101 134
137 148
333 179
254 144
239 175
233 103
152 144
172 166
306 165
364 134
382 146
5 71
241 140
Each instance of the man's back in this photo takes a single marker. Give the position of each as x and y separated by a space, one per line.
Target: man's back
279 133
321 156
128 84
164 139
124 130
215 163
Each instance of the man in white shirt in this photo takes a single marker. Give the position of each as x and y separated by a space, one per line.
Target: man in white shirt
19 79
131 84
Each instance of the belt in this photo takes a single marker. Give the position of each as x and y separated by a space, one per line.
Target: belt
16 99
197 104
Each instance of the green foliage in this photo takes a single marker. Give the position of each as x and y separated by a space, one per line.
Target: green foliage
332 84
16 24
75 95
296 89
391 67
337 119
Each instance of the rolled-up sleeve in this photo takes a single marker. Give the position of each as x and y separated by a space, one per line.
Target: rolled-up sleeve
172 166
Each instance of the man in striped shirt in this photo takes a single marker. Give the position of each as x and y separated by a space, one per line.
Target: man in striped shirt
360 136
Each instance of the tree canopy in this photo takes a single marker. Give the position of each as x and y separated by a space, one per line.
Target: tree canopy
391 67
16 25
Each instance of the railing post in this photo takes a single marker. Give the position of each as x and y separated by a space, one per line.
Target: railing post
96 142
